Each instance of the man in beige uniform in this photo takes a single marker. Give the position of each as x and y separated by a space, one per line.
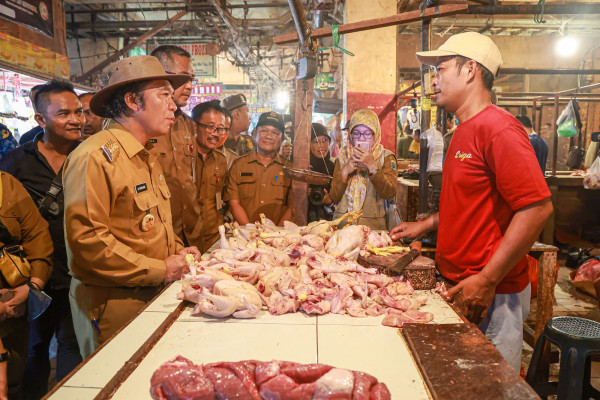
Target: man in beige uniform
211 169
121 245
238 141
256 182
177 155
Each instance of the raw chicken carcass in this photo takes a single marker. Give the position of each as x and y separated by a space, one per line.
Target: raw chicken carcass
346 240
239 290
588 271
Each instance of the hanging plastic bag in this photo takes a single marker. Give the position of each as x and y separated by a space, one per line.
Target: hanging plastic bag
592 178
568 121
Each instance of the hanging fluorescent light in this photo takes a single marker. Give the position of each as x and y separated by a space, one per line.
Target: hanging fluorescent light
566 46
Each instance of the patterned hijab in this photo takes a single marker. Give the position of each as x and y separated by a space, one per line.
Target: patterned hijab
357 185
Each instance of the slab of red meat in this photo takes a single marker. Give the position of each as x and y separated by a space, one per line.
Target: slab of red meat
362 385
244 371
380 392
266 370
254 380
180 378
305 373
227 386
589 271
282 387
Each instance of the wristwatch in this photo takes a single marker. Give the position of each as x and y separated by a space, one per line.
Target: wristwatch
373 171
4 357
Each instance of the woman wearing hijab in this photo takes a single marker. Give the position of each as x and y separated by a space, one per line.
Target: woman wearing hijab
320 161
365 173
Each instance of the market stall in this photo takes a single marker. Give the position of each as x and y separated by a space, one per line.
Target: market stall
316 328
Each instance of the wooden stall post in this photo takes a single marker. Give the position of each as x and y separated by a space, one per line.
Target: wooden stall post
425 120
545 297
555 136
302 126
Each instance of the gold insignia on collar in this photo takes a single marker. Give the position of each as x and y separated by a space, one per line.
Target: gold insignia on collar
111 150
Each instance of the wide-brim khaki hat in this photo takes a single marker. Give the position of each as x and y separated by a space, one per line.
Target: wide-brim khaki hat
472 45
128 70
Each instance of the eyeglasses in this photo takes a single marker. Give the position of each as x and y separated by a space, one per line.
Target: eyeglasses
192 77
213 129
320 140
364 135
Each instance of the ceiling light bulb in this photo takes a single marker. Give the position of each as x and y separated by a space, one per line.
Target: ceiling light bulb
566 46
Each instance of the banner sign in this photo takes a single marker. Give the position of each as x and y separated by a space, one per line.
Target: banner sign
36 14
30 56
202 62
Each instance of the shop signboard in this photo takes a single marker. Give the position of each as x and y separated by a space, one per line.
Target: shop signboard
36 14
32 57
202 62
325 81
202 93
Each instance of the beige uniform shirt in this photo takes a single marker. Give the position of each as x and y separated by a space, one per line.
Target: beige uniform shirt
177 157
112 186
21 217
259 189
211 174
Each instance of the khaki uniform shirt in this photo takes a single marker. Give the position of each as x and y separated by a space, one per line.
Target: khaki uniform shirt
211 174
177 157
259 189
111 184
23 221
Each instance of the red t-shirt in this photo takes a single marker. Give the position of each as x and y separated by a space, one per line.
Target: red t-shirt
490 172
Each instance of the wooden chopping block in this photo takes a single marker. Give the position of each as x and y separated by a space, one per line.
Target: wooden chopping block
420 272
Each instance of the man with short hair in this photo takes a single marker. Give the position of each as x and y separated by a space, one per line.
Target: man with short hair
494 200
121 245
256 182
211 170
177 149
237 141
33 132
93 123
38 166
540 147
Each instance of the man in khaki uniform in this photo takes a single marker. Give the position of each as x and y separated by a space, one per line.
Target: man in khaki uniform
211 169
256 182
121 245
238 142
176 150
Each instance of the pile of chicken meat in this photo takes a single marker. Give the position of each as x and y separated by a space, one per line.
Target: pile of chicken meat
311 268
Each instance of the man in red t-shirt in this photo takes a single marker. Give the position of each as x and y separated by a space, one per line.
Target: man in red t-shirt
494 200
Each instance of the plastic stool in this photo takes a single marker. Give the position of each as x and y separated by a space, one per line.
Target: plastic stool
577 339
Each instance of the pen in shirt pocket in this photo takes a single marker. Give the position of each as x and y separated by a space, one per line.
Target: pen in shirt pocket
96 326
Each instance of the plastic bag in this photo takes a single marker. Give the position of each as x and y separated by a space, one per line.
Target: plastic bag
392 214
592 177
568 122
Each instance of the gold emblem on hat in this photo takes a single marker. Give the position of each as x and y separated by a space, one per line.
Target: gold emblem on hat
147 222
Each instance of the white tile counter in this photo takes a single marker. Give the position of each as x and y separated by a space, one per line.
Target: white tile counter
361 344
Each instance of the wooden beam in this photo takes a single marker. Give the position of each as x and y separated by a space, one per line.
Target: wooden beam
302 126
398 19
99 67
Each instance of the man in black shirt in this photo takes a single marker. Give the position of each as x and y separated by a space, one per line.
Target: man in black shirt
38 166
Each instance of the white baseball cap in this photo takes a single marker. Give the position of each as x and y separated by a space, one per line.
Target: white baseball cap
472 45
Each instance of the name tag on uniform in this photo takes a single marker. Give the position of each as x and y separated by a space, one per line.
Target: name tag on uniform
246 174
154 140
142 187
